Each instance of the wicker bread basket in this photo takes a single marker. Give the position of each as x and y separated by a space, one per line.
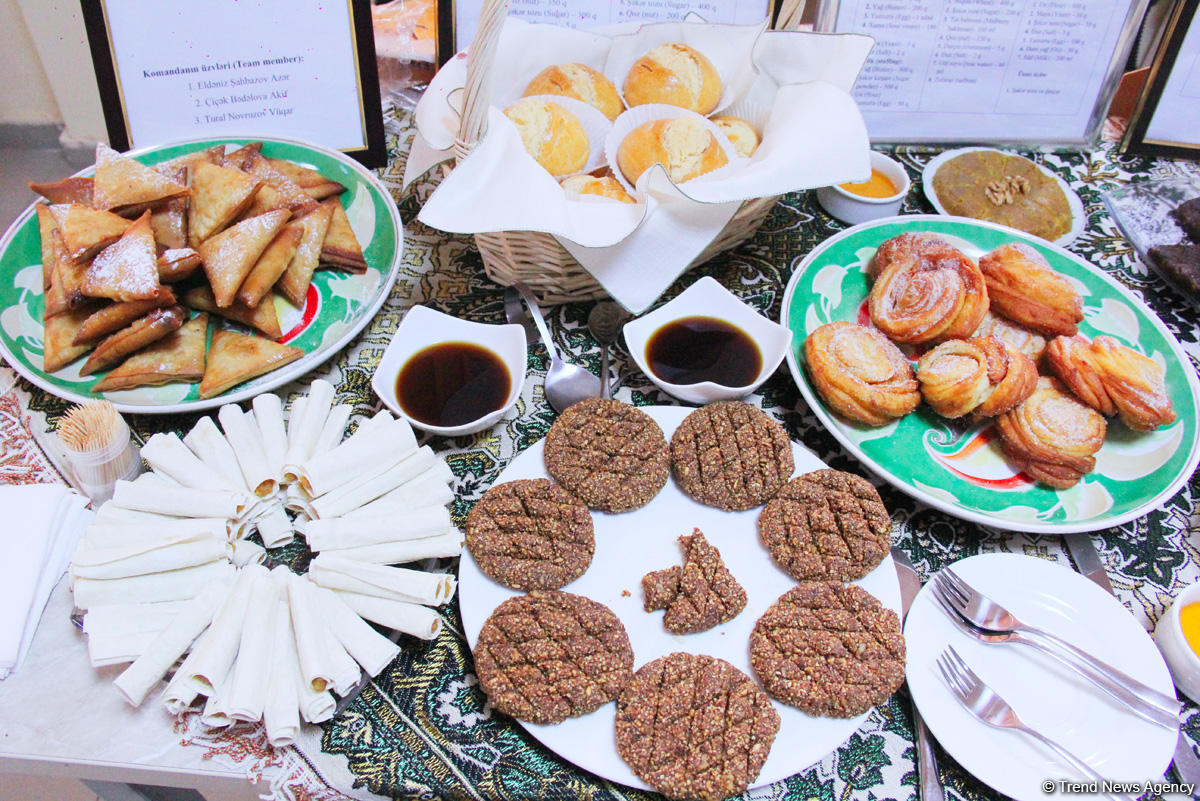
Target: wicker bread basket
536 259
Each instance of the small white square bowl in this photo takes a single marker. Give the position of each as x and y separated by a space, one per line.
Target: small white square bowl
707 298
423 327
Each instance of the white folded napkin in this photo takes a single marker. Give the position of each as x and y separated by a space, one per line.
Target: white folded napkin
43 522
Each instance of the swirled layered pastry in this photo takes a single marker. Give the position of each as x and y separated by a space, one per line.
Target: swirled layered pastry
1113 379
926 290
1026 289
1028 342
1051 436
861 374
983 375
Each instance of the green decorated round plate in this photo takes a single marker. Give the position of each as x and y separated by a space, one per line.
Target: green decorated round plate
958 467
338 304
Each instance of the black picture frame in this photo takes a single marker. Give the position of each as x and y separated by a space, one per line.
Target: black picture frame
1136 141
373 154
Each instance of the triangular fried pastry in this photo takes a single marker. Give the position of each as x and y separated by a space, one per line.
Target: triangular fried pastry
68 281
234 358
230 255
271 264
212 155
121 181
296 278
262 317
238 158
314 183
50 254
169 220
75 189
58 300
177 357
115 316
219 195
126 269
86 231
58 340
177 264
267 198
341 248
151 328
299 201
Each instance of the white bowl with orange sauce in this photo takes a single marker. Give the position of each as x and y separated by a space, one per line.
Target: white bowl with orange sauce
1171 635
879 196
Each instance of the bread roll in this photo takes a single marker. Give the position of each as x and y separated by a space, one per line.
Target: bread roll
607 186
683 145
580 82
676 74
551 134
739 132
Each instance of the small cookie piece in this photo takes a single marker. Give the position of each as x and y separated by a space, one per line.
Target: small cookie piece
826 525
1187 214
531 535
700 595
828 648
694 726
731 455
608 454
551 655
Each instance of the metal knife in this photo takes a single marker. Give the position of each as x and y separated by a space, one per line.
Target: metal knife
927 771
1087 561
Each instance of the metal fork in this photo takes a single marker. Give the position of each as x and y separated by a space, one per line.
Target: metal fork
983 702
1135 704
987 614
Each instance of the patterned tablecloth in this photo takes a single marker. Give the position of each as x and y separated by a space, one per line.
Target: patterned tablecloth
422 729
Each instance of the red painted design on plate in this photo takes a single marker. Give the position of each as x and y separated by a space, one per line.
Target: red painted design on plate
312 304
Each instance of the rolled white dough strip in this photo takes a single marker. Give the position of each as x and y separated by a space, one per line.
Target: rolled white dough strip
419 621
180 692
247 693
245 552
166 453
241 431
328 533
169 645
402 551
145 527
215 651
123 618
308 427
333 430
430 489
398 583
374 444
178 501
274 526
349 497
272 432
210 445
214 715
116 649
281 713
369 648
145 558
174 585
324 663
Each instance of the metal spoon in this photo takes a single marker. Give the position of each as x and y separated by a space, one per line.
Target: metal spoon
604 323
515 312
565 383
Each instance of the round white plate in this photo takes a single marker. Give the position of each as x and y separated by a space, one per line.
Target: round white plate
1078 218
1048 697
630 545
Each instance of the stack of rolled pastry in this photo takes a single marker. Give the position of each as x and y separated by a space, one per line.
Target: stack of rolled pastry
987 327
166 570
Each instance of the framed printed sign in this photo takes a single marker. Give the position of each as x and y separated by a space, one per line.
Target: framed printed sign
1166 119
290 69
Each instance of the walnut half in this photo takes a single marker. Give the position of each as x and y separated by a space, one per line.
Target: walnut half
1006 189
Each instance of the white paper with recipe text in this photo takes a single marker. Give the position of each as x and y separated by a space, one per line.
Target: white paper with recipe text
813 135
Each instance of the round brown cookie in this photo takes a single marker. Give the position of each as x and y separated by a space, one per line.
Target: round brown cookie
530 534
828 648
551 655
694 726
826 525
608 454
731 455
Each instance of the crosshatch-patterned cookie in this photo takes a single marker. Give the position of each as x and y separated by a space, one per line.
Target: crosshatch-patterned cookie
608 454
828 648
531 535
731 455
694 726
699 595
551 655
826 525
